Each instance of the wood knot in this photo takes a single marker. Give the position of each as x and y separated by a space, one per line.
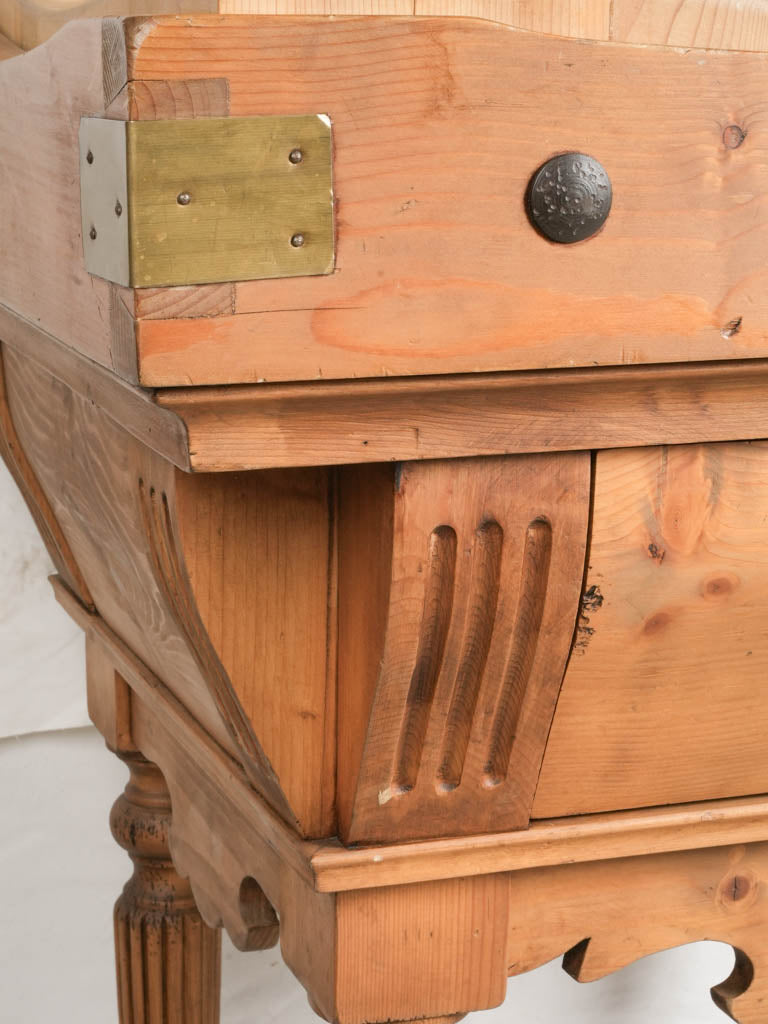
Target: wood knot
738 888
719 586
656 623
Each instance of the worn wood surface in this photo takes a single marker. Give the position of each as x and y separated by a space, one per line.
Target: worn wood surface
458 601
426 283
42 276
608 915
259 555
168 959
12 453
110 496
444 417
663 700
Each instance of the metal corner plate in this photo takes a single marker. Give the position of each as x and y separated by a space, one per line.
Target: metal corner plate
207 200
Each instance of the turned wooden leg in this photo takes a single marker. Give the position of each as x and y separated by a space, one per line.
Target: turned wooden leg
168 959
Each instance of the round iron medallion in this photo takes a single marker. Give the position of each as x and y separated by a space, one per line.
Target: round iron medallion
569 198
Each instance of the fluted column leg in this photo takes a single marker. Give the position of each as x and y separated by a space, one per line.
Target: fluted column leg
168 959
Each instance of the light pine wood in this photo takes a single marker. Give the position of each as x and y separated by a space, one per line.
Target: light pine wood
168 959
472 930
42 276
269 617
438 269
710 24
445 417
12 453
609 915
663 701
458 601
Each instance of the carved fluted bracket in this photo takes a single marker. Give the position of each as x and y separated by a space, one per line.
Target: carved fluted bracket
168 959
459 587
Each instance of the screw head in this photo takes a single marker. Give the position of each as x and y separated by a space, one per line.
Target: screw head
118 208
297 240
183 198
569 198
296 156
92 234
89 157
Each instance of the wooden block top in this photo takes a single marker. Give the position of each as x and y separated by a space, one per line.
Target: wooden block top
438 125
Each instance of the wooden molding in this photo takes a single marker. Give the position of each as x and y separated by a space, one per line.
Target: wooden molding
254 427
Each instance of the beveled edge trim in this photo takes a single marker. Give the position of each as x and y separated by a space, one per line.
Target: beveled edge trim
132 408
258 426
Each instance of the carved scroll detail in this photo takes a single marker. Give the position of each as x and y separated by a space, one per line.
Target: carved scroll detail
45 520
486 565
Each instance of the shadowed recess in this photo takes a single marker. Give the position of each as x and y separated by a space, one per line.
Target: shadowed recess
435 621
534 578
481 616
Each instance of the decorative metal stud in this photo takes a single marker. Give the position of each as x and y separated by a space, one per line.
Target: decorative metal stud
296 156
297 240
569 198
183 198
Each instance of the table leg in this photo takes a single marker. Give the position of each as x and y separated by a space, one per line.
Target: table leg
168 959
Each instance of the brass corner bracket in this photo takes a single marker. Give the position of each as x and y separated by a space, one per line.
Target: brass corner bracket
200 201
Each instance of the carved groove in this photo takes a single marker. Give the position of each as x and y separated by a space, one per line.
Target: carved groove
435 622
20 469
173 583
534 578
481 617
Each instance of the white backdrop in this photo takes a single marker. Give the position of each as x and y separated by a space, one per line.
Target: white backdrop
60 871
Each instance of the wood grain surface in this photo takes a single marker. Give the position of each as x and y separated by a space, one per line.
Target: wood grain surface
258 550
438 269
663 699
260 426
457 603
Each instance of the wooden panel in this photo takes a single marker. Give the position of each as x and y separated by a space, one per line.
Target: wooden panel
457 640
435 948
258 550
583 19
609 915
664 700
714 24
438 268
42 275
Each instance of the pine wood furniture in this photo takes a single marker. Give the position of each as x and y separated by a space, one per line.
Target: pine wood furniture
424 598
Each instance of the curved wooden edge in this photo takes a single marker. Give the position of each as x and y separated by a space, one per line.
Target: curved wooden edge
42 512
8 48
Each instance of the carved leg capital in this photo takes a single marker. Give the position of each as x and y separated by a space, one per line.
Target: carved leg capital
168 959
